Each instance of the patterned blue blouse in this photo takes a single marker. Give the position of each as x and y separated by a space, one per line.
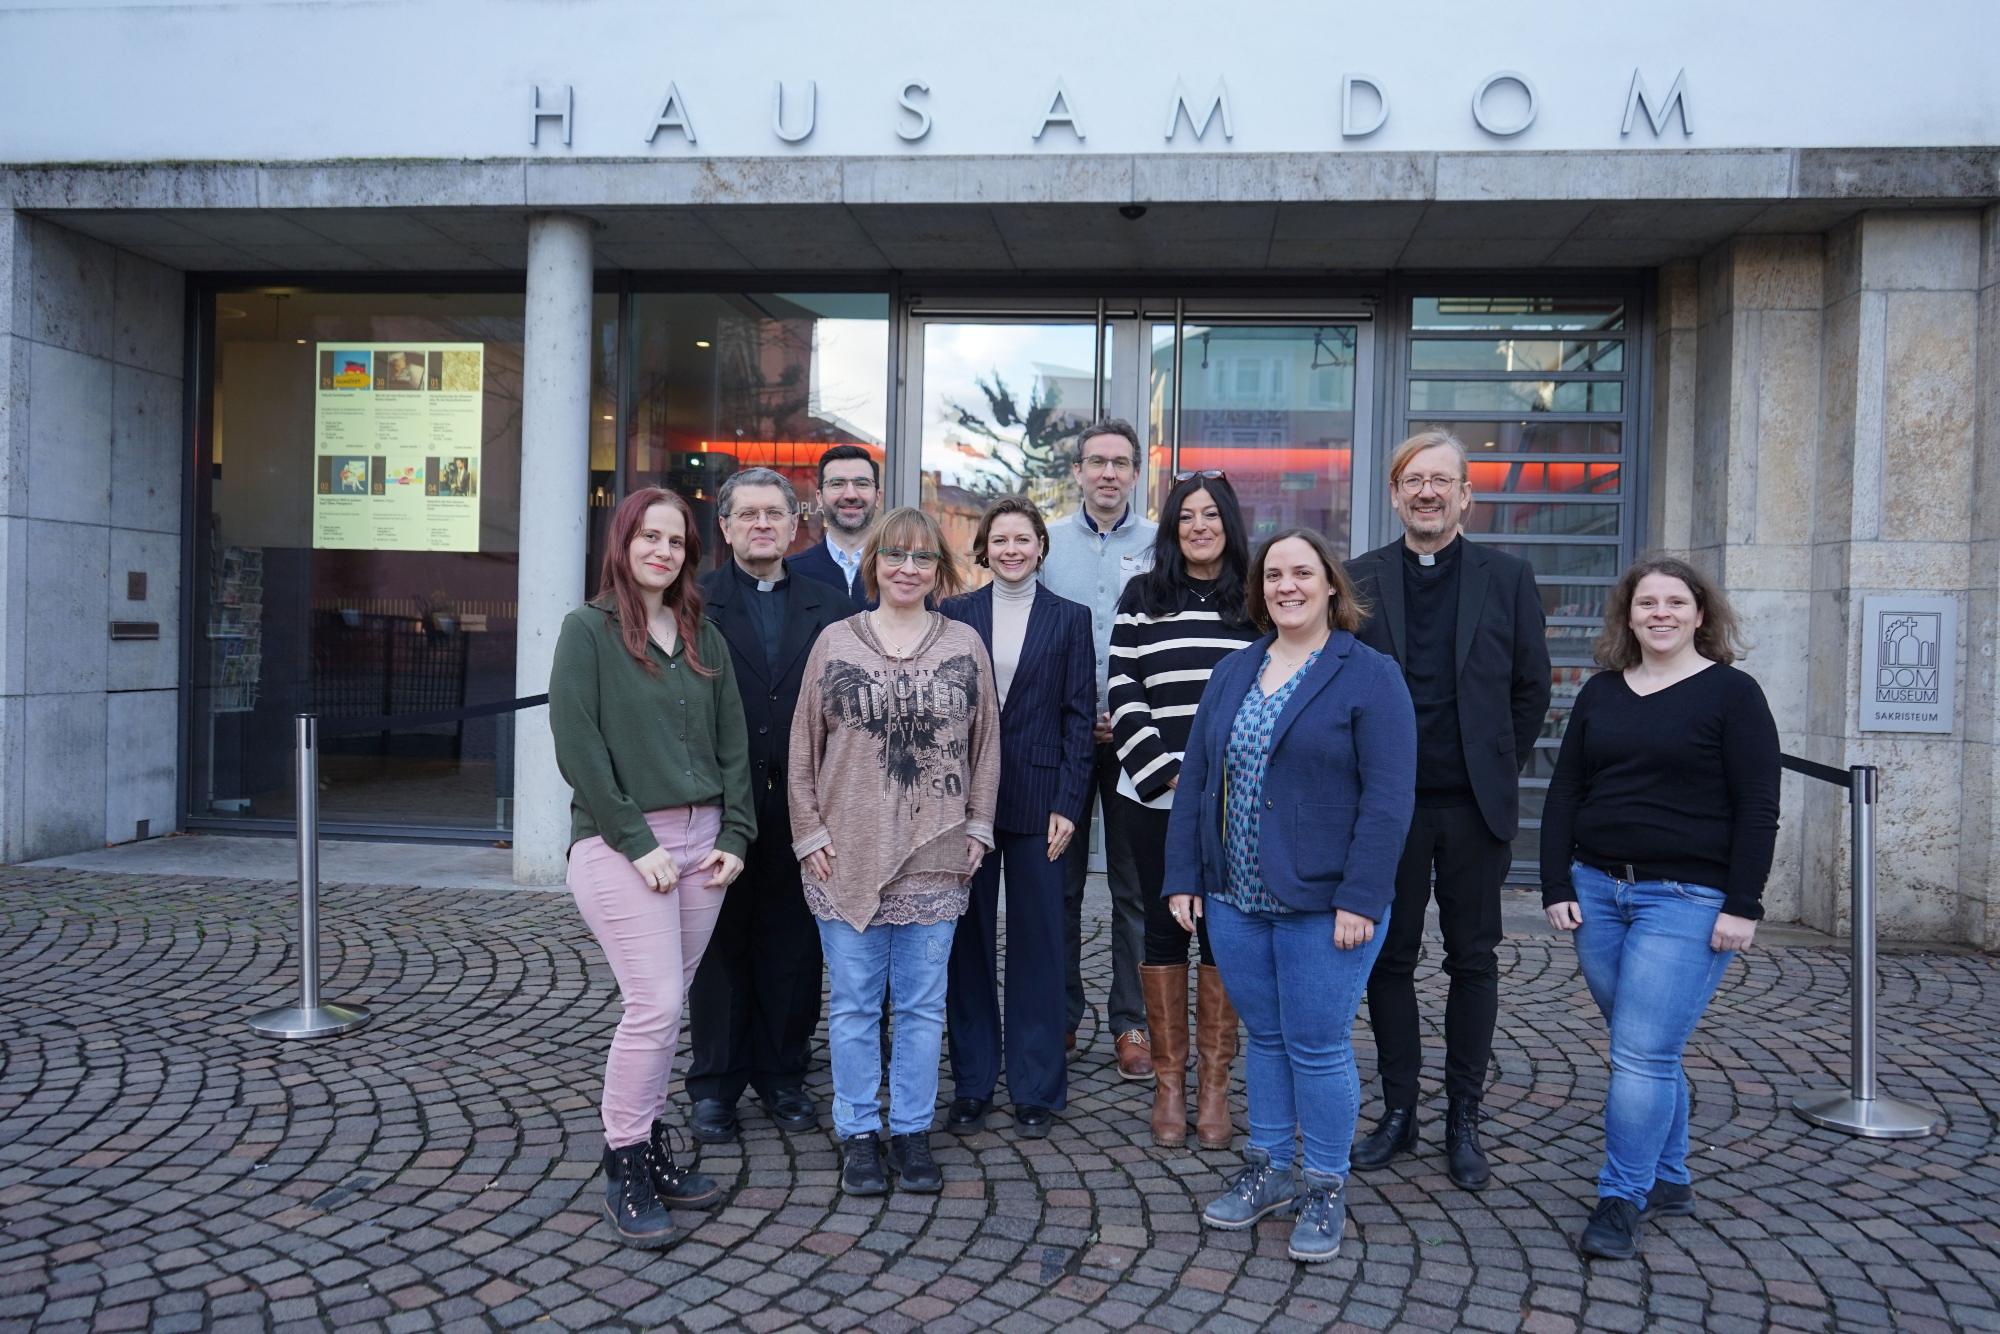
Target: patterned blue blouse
1249 752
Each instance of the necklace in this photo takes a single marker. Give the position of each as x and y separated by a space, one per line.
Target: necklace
895 648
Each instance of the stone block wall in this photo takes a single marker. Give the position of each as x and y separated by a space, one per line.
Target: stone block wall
91 466
1838 399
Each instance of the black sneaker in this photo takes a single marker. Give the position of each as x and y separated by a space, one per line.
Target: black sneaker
1669 1199
861 1165
910 1158
674 1178
1613 1230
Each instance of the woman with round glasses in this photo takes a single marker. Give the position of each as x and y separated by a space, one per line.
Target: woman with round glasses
1176 621
893 774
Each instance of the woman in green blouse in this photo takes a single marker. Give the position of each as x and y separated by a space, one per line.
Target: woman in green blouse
649 733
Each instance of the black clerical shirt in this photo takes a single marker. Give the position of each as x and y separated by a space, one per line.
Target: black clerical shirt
1430 631
767 603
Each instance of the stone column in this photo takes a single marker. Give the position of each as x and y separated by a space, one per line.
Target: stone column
1896 512
555 474
1979 848
1750 487
1670 478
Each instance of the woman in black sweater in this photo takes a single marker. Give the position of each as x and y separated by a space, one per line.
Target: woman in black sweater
1656 840
1177 620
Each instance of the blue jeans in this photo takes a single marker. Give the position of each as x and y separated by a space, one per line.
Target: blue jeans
1644 952
909 963
1298 996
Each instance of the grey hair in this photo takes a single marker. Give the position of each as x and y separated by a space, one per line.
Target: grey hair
756 477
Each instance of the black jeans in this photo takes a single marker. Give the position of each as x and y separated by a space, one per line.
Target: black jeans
1166 943
1125 1008
754 1002
1470 865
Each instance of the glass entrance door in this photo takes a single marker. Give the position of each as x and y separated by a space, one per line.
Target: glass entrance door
1279 400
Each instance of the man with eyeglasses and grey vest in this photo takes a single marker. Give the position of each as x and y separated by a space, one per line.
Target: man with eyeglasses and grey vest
1091 555
1465 624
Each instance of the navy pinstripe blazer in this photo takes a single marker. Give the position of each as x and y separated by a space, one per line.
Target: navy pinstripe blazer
1046 752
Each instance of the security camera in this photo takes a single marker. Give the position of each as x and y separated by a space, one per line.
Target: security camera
1131 212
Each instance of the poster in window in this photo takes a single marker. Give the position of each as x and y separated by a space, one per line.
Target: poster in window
396 446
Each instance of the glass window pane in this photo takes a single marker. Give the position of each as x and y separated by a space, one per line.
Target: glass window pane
1571 641
1002 407
1529 314
348 611
1541 765
1517 354
1159 417
1273 406
1567 518
1517 396
1531 437
1570 599
728 380
1553 560
1502 476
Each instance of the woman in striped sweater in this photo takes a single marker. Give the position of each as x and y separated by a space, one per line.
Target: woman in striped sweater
1176 621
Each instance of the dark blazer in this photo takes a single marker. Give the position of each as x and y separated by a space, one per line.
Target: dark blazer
1503 664
1339 786
1046 755
815 562
770 699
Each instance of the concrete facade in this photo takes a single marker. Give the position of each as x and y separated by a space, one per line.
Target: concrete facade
91 470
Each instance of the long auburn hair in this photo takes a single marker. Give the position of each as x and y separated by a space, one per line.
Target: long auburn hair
1159 588
1718 638
620 591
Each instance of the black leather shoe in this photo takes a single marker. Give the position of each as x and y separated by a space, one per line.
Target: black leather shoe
1464 1159
967 1116
713 1122
792 1109
1395 1133
915 1169
1033 1122
861 1166
1613 1230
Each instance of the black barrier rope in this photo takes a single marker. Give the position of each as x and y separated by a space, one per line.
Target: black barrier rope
390 722
1826 773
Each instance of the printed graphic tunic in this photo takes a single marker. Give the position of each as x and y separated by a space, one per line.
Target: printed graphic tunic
1248 756
894 763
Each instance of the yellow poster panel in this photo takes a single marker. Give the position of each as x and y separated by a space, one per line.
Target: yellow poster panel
396 436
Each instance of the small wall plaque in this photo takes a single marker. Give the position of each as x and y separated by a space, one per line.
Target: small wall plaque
135 629
1909 657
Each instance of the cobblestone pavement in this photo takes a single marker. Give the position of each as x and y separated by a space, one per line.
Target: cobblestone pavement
161 1168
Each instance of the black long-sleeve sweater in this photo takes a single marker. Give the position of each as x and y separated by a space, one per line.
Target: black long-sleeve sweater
1682 784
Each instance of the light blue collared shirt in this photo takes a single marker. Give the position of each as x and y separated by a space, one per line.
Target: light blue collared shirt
849 565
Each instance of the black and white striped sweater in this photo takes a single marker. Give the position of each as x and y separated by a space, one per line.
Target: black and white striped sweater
1159 666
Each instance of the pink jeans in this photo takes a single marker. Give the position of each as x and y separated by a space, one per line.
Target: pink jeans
654 943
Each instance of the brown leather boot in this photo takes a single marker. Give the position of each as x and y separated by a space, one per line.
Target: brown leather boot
1165 988
1215 1040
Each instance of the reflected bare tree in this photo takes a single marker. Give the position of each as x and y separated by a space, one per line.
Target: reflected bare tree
1023 446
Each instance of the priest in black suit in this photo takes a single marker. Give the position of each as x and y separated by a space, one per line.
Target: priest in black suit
755 999
1465 623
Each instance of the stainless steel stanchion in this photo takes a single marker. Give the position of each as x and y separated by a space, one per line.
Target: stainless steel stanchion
308 1019
1859 1111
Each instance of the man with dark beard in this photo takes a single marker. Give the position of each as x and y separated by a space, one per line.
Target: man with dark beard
850 490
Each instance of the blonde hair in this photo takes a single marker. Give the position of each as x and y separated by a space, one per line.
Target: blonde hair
911 529
1400 457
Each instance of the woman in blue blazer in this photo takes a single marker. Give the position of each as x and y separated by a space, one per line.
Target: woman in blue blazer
1294 800
1046 671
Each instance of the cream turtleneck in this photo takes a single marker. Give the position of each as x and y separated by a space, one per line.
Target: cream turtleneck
1011 605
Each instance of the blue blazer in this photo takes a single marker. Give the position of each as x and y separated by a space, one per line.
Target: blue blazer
815 563
1339 787
1046 754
